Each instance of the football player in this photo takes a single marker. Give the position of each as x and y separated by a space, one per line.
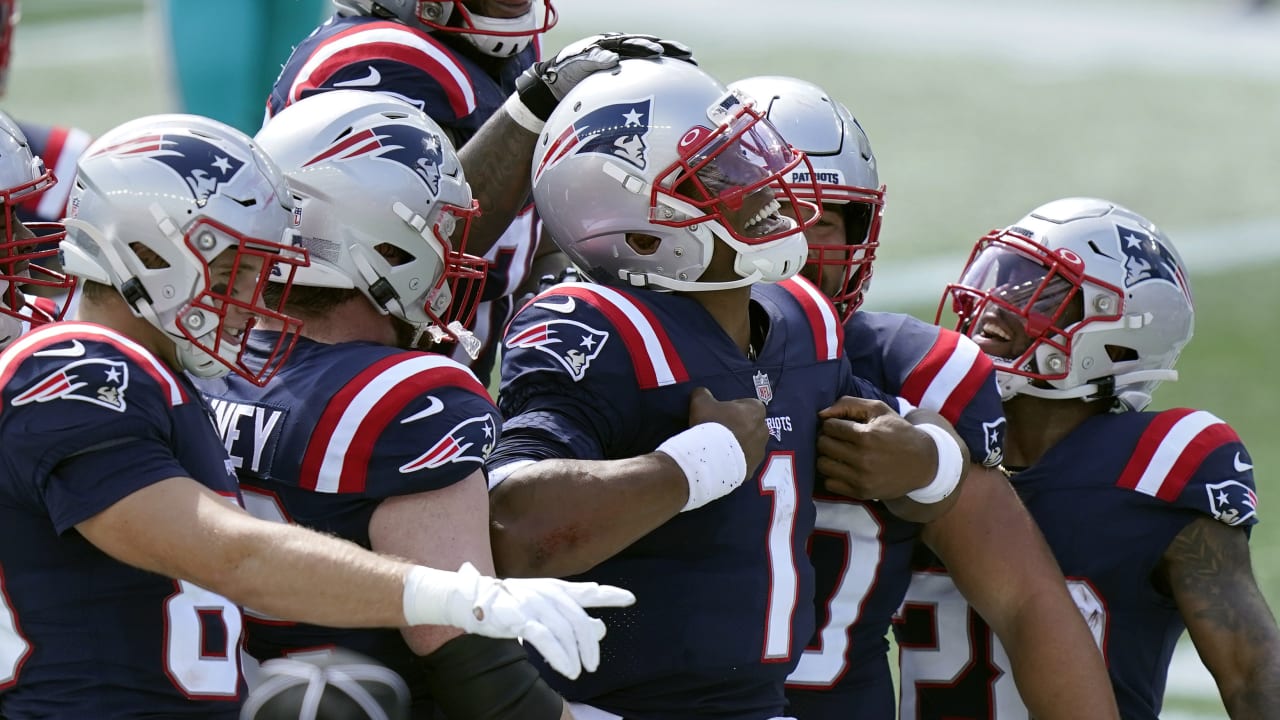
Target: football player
26 245
861 551
1084 306
459 61
664 188
361 434
123 546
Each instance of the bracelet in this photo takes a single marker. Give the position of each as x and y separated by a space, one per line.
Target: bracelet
950 467
522 115
712 461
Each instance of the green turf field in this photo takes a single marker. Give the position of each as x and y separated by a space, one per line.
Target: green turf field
1171 107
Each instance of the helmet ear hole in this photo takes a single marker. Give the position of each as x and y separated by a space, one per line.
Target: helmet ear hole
1118 353
643 244
395 256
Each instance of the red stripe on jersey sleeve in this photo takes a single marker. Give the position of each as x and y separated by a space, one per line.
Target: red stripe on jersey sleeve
646 373
355 463
1205 442
1148 444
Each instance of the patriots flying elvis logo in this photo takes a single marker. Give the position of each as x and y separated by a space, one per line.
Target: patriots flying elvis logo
204 166
420 151
97 381
616 130
469 441
571 343
1146 259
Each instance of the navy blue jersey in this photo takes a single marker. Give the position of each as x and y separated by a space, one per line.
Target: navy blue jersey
60 148
451 81
1109 498
860 551
724 593
338 430
90 417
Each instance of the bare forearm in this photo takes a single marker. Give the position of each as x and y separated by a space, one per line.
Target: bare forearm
1005 569
296 574
496 161
538 527
1065 678
1258 695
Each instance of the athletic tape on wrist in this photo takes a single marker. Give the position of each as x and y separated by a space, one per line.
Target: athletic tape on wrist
950 466
523 116
426 596
712 461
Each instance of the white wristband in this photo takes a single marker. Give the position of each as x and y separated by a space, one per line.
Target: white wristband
950 466
712 461
522 115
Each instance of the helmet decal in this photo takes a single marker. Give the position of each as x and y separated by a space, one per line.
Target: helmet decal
1146 259
418 150
616 130
204 167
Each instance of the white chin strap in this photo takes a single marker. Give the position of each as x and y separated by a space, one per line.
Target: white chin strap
502 45
666 283
1011 385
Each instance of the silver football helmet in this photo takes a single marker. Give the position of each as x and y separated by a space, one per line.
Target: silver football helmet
845 170
659 149
25 250
186 218
1082 298
499 37
383 205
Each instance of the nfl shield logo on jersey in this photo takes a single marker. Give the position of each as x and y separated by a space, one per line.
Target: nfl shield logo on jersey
764 389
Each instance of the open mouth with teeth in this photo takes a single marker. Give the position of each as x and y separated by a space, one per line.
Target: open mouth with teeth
768 220
998 333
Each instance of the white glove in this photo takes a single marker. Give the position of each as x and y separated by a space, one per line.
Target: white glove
546 613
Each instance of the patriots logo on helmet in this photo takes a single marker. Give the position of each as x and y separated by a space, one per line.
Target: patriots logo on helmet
97 381
571 343
205 167
616 130
420 151
1231 501
1146 259
469 441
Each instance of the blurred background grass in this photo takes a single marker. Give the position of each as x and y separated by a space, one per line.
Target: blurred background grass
977 112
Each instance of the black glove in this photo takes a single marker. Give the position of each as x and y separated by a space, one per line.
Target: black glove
544 85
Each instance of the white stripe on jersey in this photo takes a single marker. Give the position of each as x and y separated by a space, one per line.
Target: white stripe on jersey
653 347
393 36
53 202
74 330
952 373
344 434
828 313
1171 448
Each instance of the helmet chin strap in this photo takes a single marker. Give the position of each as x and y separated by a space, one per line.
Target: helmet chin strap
666 283
1090 391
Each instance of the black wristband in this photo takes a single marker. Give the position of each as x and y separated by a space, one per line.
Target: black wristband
479 678
536 94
